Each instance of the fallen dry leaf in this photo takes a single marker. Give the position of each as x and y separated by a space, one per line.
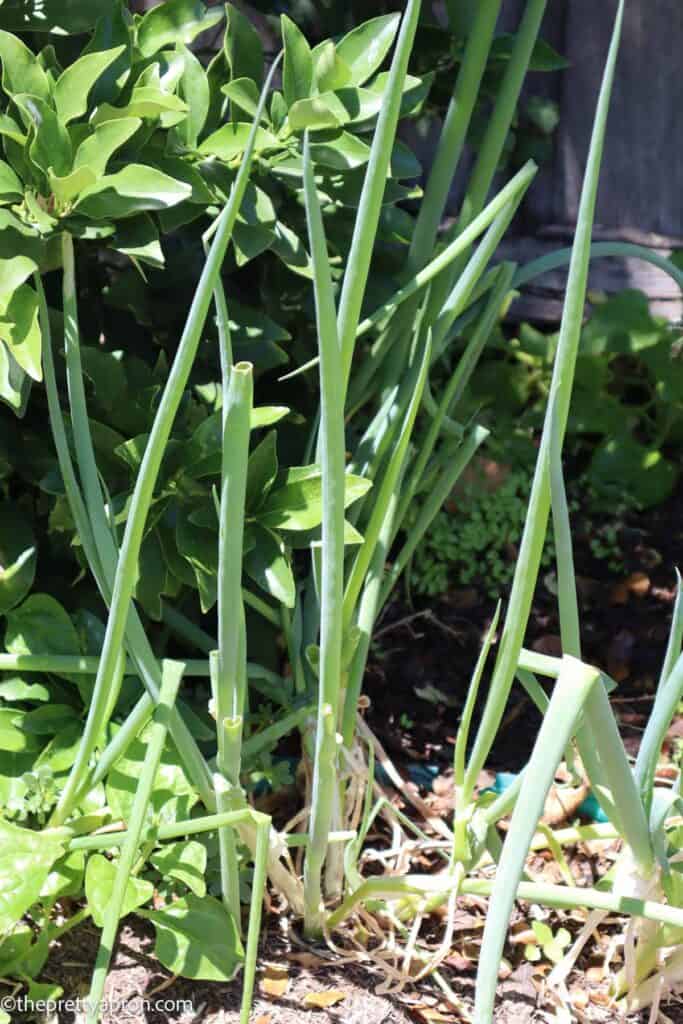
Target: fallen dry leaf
638 583
322 1000
433 1016
274 982
308 960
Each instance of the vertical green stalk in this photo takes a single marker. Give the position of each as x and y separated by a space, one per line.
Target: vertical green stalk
387 486
258 889
491 150
333 462
454 132
533 538
172 673
232 654
370 205
230 664
571 691
368 610
126 570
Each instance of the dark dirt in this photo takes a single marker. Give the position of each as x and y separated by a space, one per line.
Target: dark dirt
139 991
432 645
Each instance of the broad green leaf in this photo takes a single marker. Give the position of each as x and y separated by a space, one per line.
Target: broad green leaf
297 74
14 271
230 141
197 938
291 250
146 101
176 21
99 885
17 240
130 191
404 163
138 238
15 385
200 547
17 557
295 502
13 738
249 242
152 578
244 93
267 564
51 145
95 151
10 129
242 46
261 470
193 89
111 30
13 948
415 90
49 720
317 113
20 330
21 69
621 465
65 878
173 796
11 187
366 46
13 767
267 415
26 858
329 70
340 150
185 862
19 689
67 188
332 109
60 753
40 626
73 86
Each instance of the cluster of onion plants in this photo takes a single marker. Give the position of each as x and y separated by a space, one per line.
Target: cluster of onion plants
374 367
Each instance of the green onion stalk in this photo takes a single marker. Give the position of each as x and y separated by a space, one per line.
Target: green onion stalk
230 662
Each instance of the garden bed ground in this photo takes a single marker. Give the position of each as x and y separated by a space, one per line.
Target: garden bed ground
416 684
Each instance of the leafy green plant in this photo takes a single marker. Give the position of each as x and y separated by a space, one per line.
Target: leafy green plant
475 538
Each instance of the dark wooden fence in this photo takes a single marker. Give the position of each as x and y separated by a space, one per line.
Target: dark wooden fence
641 192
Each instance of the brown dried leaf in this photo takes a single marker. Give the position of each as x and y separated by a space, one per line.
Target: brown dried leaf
274 982
638 583
325 999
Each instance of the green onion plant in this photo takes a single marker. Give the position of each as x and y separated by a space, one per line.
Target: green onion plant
386 441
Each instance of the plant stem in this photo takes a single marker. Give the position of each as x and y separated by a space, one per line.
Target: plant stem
333 464
454 132
172 673
533 538
370 205
126 570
